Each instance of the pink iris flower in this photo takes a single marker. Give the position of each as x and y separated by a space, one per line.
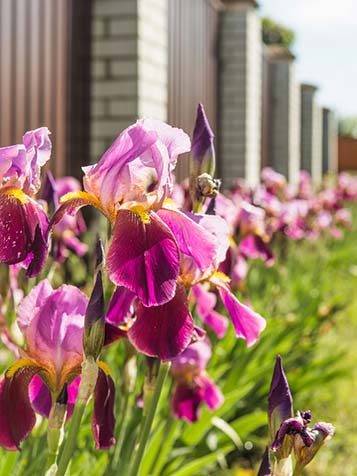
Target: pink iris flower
51 322
193 385
23 222
129 185
65 233
132 185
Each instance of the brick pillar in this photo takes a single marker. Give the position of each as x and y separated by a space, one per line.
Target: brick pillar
329 142
240 78
128 66
283 114
311 132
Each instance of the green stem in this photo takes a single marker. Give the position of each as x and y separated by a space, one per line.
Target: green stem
151 400
121 431
169 436
86 388
54 431
298 470
71 438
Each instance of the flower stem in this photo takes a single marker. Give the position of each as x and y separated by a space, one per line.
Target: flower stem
283 467
151 400
54 431
86 388
71 438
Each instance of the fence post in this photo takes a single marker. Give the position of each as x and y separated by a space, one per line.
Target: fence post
311 132
283 113
329 144
239 95
128 66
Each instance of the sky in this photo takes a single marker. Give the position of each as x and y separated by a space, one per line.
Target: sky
325 46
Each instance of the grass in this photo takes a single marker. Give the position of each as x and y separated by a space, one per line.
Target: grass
310 301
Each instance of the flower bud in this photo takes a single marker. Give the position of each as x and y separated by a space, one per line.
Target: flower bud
203 153
265 467
280 402
94 323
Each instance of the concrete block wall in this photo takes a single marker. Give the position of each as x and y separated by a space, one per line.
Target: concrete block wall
329 142
240 76
128 67
295 128
281 124
311 132
316 168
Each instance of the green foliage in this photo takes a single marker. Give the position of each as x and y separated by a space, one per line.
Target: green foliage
310 304
347 127
276 34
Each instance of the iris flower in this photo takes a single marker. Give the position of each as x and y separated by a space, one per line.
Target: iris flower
131 186
51 322
23 222
66 232
193 385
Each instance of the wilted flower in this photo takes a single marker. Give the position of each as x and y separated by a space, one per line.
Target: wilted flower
23 222
193 385
51 322
292 433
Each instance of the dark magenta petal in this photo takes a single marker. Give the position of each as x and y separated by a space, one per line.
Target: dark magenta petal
41 399
280 402
113 333
254 247
120 306
103 422
217 322
39 250
265 467
292 426
247 323
144 257
14 230
212 395
40 396
192 238
206 301
163 331
17 417
185 402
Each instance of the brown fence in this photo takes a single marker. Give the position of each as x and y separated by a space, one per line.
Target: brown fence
347 153
192 73
36 56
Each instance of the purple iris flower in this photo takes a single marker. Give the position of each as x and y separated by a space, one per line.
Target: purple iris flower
206 302
23 222
51 322
65 233
157 331
193 385
247 323
129 185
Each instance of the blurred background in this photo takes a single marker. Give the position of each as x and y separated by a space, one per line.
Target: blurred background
275 77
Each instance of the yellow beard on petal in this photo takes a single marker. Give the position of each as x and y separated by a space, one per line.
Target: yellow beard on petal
16 193
143 214
105 367
219 275
19 364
